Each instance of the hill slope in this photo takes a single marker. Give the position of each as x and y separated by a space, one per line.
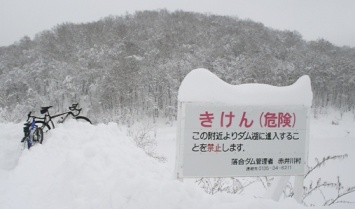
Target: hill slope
122 68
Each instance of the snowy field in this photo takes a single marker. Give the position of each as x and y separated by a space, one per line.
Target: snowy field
99 166
81 166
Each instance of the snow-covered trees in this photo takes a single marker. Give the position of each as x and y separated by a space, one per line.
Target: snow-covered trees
123 68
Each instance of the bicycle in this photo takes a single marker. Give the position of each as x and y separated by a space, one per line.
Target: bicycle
33 134
46 123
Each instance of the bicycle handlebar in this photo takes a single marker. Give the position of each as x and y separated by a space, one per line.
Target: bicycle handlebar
29 115
74 106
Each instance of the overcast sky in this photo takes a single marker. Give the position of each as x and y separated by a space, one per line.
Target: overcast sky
333 20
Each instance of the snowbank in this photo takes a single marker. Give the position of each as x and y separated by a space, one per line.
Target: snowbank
200 85
84 166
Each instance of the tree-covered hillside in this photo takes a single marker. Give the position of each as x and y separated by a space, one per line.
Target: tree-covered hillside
123 68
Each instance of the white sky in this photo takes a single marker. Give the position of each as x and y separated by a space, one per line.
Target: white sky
333 20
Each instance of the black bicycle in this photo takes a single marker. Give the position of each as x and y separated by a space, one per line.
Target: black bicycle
46 123
32 133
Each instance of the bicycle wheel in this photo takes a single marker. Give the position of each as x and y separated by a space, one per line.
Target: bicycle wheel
44 126
28 143
38 135
25 143
82 118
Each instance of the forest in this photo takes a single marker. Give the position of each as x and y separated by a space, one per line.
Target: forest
129 67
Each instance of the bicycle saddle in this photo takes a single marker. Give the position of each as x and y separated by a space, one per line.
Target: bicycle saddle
45 109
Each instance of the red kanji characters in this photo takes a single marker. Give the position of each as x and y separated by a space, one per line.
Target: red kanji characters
284 119
273 120
270 120
210 147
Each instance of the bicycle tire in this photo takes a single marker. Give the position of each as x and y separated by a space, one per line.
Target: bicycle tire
83 118
44 126
38 135
27 144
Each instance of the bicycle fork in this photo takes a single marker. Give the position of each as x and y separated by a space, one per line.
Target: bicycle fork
28 131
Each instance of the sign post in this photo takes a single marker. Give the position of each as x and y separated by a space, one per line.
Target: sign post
217 139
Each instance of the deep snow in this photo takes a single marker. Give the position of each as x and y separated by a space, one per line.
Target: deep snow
99 166
201 85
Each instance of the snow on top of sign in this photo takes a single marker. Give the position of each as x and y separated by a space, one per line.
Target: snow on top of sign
200 85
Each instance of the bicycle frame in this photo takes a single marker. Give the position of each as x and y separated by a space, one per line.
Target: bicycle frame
48 118
28 130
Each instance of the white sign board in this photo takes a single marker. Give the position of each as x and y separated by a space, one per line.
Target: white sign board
241 130
229 140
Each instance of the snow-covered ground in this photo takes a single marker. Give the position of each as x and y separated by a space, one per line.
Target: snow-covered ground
99 166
